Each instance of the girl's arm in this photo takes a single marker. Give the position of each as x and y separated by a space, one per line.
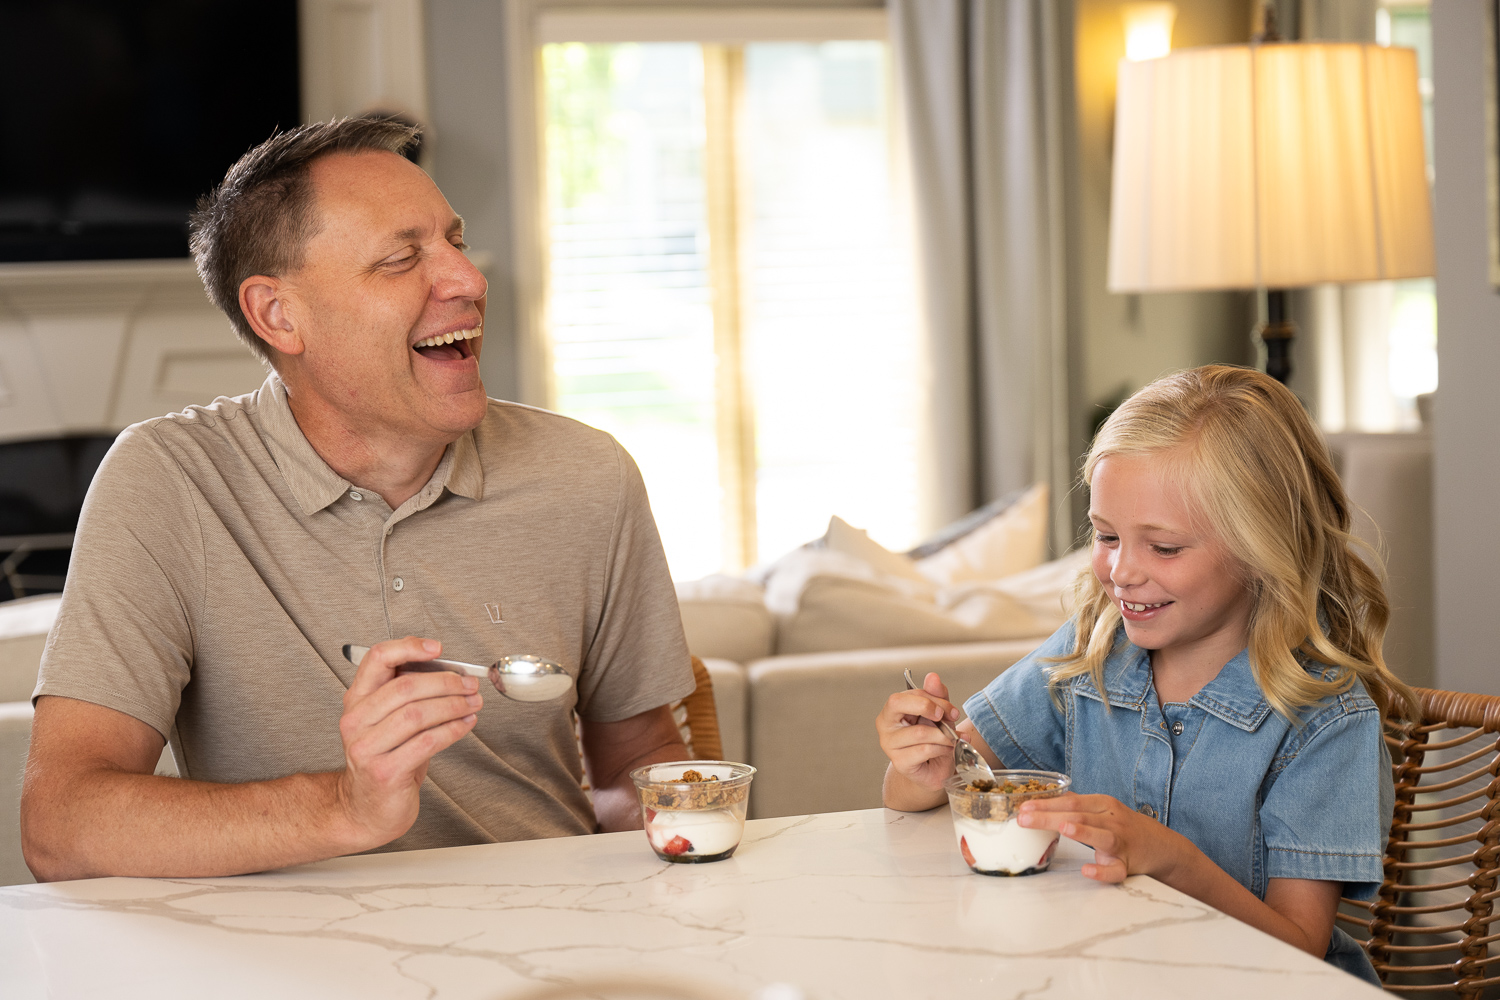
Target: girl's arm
1297 911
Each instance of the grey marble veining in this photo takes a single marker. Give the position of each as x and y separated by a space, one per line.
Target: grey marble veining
857 905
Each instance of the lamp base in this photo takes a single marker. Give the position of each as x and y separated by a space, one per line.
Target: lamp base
1277 334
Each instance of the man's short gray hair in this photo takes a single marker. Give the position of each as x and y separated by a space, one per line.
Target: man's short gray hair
259 219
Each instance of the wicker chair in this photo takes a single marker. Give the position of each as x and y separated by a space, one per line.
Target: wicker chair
1429 930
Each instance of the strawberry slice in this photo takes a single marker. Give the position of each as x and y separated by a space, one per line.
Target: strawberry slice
677 845
1047 855
650 815
963 846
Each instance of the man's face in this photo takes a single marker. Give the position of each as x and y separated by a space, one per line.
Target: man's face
384 272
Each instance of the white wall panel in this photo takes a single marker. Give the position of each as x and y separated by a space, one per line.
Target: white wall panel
362 55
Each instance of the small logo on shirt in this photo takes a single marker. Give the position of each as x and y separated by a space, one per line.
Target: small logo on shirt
493 610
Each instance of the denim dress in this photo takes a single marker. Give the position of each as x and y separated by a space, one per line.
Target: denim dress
1262 797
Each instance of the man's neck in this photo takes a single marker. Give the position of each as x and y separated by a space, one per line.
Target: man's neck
396 466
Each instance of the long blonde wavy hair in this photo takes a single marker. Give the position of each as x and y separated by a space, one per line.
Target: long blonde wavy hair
1258 476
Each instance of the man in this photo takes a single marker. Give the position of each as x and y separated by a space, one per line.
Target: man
368 490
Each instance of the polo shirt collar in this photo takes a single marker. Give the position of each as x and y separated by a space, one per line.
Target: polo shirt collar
1232 696
311 481
315 485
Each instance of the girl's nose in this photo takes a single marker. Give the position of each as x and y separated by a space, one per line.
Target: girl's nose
1125 570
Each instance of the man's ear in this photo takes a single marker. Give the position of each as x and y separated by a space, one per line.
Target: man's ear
263 303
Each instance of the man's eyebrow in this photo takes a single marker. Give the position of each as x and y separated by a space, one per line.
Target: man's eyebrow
416 233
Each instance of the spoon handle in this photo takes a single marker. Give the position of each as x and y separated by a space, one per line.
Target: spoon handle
354 654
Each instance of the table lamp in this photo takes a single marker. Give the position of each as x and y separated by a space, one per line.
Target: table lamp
1269 165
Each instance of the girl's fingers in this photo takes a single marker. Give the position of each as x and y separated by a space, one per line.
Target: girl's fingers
913 737
1091 836
915 705
1105 868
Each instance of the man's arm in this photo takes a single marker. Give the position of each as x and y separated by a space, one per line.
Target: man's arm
91 806
611 750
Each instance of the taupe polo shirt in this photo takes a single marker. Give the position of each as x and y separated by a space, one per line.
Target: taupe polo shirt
220 565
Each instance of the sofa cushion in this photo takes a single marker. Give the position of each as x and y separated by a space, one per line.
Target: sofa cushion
24 625
725 617
834 612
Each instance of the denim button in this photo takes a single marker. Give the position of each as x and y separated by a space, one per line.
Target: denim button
1177 729
1146 811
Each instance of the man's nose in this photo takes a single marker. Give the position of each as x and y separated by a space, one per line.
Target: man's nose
458 278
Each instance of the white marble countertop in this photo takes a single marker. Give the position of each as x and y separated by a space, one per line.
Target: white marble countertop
858 905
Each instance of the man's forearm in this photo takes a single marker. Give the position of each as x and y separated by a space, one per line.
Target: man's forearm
616 805
117 823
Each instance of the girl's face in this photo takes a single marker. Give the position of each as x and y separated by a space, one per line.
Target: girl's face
1175 584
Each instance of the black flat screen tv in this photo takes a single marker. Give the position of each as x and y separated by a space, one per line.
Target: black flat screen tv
116 115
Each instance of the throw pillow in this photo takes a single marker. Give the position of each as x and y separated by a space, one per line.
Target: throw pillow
1008 543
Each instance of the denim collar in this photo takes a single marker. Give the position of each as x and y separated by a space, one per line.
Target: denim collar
1232 696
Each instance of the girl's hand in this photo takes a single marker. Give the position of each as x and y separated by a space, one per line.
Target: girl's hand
907 727
1124 841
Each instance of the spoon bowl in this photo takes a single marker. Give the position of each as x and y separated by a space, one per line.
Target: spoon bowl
519 676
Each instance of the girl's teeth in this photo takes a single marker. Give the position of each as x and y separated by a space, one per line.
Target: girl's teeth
1141 607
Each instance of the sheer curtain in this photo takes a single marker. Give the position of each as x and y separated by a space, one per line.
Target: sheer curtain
986 88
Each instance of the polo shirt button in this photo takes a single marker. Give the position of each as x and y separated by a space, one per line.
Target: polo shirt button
1146 811
356 495
398 584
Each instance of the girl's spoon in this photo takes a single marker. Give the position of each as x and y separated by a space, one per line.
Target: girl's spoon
966 759
520 677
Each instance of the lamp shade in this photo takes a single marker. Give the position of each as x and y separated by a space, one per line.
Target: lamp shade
1271 165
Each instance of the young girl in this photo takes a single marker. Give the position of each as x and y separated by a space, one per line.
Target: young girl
1219 696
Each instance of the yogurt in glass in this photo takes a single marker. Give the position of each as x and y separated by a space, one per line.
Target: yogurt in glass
694 810
984 821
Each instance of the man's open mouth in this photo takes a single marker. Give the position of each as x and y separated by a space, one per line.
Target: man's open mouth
448 346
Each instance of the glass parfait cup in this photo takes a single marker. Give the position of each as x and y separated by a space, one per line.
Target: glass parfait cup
984 821
694 810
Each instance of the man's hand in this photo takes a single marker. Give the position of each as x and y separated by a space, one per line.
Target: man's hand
393 724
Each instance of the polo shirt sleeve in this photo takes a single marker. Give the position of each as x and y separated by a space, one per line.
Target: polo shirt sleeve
123 637
1328 813
639 658
1015 712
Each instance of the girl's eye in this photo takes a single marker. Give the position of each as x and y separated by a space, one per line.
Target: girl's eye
1167 550
1104 539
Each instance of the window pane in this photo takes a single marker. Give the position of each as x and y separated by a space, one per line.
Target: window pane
629 306
829 316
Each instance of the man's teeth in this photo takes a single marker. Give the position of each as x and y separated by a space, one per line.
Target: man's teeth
448 338
1144 607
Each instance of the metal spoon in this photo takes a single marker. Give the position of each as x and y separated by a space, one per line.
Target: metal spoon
520 676
966 759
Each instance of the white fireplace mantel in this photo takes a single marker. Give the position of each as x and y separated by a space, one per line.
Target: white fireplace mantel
91 347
